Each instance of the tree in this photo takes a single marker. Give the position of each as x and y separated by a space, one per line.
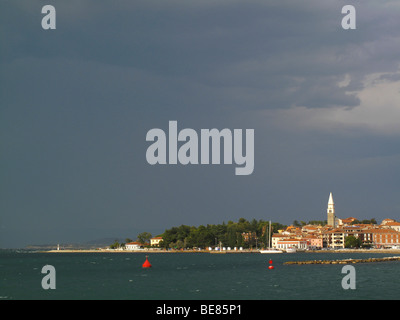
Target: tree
180 244
115 245
352 242
317 222
144 237
372 221
232 236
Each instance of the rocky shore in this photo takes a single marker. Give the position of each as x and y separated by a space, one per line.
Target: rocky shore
344 261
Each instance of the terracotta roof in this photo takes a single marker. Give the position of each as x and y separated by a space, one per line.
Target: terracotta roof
394 223
386 230
310 236
278 235
386 221
135 243
351 219
310 228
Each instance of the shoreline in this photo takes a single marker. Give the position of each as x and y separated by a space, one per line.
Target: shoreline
142 251
394 251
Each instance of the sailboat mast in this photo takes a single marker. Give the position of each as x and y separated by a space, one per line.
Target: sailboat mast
269 235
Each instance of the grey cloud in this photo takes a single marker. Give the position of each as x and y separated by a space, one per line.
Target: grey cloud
243 54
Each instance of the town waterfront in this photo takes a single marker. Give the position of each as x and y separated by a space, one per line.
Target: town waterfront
194 276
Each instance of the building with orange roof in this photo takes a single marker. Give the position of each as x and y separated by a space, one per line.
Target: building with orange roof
155 241
278 237
313 241
385 237
348 221
393 225
285 244
385 221
336 238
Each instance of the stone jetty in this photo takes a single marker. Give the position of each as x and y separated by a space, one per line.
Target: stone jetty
345 261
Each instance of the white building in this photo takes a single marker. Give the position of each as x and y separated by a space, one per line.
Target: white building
155 241
284 244
133 246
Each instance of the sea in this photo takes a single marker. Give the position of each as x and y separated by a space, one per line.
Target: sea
193 276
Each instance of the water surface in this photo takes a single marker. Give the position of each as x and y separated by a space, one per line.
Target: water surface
193 276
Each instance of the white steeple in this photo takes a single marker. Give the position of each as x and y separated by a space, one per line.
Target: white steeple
330 202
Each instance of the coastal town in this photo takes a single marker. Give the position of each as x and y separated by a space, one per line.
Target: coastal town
336 234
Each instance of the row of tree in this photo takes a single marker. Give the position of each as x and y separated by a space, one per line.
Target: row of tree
303 223
371 221
246 234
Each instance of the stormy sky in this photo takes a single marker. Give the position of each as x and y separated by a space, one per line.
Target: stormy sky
76 104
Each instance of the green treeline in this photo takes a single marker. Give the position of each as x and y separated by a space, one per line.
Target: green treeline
246 234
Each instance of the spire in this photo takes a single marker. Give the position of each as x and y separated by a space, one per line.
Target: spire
330 199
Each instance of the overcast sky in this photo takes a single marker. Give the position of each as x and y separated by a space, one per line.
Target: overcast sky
76 104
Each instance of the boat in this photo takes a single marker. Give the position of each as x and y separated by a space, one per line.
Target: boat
291 250
269 249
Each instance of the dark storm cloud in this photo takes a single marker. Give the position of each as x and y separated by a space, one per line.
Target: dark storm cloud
77 102
243 55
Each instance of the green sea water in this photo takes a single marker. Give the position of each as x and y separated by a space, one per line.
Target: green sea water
193 276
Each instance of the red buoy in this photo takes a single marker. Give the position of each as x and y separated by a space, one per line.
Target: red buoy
146 264
270 266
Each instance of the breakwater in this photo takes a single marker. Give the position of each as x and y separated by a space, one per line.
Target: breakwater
345 261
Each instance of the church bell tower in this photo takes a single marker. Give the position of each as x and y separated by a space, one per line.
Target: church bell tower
331 212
